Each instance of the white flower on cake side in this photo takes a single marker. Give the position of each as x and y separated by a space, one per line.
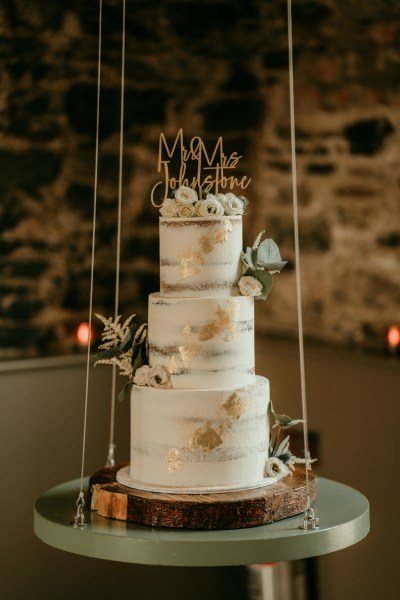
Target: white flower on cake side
250 286
140 377
125 346
156 376
259 263
187 204
274 467
281 462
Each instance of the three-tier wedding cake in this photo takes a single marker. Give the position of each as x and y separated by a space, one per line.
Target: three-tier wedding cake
199 413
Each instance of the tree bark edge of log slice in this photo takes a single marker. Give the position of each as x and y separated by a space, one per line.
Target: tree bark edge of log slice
229 510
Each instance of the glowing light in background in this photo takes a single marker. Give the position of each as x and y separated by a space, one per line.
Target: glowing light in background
393 338
83 335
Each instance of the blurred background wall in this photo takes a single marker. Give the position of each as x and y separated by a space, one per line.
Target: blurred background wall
213 68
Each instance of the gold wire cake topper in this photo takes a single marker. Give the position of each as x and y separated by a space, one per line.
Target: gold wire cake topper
196 155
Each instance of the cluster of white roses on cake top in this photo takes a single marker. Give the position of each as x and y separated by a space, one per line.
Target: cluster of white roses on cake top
186 204
259 263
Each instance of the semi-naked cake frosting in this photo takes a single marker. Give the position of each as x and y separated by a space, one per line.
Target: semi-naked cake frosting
206 429
200 256
199 440
203 342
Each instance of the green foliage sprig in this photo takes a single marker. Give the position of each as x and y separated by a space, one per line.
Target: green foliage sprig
280 448
261 261
123 345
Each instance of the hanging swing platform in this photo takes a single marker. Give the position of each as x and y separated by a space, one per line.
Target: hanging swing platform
343 521
227 510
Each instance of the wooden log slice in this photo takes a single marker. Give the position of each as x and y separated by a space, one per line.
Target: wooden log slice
229 510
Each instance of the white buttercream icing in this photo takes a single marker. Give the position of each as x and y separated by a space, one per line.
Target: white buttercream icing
200 437
200 256
209 340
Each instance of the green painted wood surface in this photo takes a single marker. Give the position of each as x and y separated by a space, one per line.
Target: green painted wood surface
343 520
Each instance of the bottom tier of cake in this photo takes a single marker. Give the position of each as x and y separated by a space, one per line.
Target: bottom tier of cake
199 441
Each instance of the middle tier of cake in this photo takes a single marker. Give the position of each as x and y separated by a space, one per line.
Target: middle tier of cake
204 342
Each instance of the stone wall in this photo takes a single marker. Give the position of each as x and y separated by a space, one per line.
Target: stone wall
213 68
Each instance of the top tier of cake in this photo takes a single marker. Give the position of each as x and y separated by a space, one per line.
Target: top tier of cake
200 256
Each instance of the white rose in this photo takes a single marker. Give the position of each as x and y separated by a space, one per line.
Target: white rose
197 208
211 206
250 286
140 377
185 210
185 195
158 376
231 203
274 467
168 208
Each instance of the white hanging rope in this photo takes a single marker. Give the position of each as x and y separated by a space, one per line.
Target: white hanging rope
111 445
297 259
79 520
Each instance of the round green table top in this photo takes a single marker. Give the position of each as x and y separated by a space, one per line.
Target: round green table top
343 520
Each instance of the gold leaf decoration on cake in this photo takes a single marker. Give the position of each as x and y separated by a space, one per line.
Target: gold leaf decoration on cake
174 461
233 310
207 243
205 439
172 366
218 235
231 333
187 330
191 259
225 322
188 353
207 332
189 263
234 408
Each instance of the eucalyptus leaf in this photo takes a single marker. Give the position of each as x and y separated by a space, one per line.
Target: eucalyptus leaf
268 256
292 423
265 279
284 421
